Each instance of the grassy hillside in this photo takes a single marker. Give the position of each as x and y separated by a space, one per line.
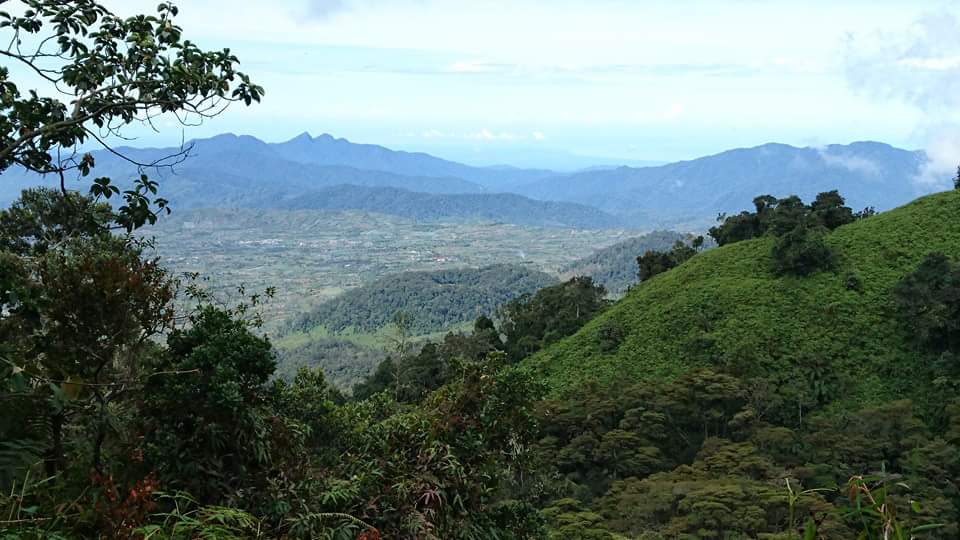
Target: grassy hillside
726 308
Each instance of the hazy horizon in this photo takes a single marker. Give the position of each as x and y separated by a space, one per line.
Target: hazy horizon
572 83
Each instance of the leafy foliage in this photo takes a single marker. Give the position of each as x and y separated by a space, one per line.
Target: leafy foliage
121 71
434 300
928 303
615 267
529 323
696 457
778 217
802 251
814 340
220 368
652 263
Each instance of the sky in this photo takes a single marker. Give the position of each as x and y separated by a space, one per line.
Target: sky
568 83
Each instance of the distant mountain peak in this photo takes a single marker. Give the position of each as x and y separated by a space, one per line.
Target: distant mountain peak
303 137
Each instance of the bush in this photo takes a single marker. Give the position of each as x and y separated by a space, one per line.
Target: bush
802 252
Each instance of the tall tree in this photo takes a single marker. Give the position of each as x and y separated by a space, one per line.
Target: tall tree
532 322
78 309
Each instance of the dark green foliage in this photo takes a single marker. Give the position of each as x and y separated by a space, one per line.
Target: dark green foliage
344 362
42 218
439 466
78 308
411 379
612 334
615 267
204 427
696 457
434 300
928 303
652 263
383 379
830 211
956 179
802 251
779 217
309 400
530 323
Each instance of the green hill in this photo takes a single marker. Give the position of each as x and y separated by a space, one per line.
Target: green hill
615 267
434 301
833 333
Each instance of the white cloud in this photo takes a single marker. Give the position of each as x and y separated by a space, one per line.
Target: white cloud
674 111
920 66
943 156
857 164
539 136
475 66
487 135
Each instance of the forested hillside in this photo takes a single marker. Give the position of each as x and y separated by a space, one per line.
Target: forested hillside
432 301
615 267
732 397
800 381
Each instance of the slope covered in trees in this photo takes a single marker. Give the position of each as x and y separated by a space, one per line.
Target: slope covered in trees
728 398
830 335
433 301
615 267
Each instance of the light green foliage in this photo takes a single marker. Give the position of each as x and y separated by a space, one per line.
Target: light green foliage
568 520
725 308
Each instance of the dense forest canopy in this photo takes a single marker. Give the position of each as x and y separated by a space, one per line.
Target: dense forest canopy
434 301
799 381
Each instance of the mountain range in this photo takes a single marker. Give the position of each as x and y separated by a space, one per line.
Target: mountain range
329 173
866 173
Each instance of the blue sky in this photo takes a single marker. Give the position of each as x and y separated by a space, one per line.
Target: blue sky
535 81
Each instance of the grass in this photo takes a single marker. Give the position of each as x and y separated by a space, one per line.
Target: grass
726 308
